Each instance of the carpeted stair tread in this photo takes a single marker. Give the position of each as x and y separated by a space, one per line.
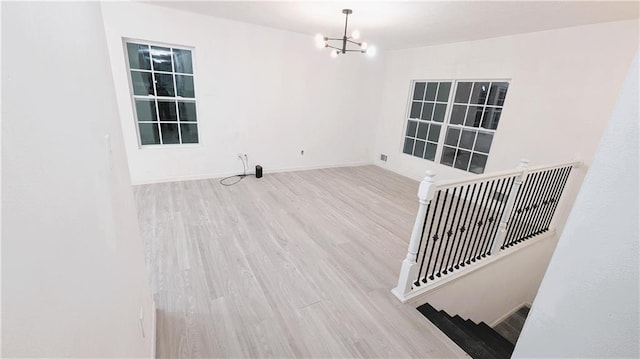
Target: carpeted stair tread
498 343
462 336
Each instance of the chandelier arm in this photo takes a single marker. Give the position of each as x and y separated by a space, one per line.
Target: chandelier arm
333 47
355 42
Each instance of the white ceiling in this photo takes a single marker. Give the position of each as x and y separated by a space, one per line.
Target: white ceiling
395 24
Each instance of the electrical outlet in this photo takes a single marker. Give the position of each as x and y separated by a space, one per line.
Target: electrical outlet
383 157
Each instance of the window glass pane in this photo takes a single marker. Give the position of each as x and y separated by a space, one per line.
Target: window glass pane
432 88
187 111
479 94
430 152
184 86
478 162
457 114
149 134
161 57
408 146
411 128
427 110
164 85
498 93
463 89
146 110
452 137
167 111
141 83
474 116
434 133
138 56
491 117
462 159
443 91
182 61
448 155
419 150
415 109
189 133
170 133
438 114
423 128
483 142
418 92
466 139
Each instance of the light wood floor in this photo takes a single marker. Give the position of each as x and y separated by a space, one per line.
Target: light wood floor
295 264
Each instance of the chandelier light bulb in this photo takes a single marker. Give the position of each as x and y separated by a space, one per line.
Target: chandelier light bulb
319 40
371 51
355 34
334 54
363 46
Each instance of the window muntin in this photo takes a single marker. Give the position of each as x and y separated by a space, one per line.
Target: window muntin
426 115
163 92
469 127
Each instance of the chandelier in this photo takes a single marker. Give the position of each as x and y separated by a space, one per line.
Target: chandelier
341 45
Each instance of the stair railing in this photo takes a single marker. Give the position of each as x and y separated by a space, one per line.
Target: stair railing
461 222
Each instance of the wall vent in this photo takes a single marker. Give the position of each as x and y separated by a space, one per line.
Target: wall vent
383 157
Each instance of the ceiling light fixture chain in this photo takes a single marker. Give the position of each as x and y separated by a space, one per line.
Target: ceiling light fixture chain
362 47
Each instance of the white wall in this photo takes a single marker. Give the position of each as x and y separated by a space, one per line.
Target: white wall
588 304
499 288
261 91
563 87
73 274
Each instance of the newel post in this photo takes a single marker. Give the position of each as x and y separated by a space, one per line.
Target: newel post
508 209
408 272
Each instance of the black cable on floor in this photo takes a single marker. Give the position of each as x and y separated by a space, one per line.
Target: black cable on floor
240 177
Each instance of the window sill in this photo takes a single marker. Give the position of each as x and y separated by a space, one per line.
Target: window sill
170 146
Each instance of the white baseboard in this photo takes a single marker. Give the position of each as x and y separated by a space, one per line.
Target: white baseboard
509 313
137 182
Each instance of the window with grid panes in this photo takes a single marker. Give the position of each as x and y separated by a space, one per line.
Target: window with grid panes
470 125
426 117
474 118
162 87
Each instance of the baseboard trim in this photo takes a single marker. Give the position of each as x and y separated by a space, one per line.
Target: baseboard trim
138 182
509 313
154 328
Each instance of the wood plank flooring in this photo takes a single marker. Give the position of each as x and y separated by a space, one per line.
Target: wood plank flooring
295 264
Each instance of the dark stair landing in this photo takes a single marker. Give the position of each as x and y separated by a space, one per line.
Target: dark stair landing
511 327
478 340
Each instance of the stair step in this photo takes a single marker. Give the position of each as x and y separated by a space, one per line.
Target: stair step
473 331
476 348
496 341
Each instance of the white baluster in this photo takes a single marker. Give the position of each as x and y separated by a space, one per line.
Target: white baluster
504 221
408 272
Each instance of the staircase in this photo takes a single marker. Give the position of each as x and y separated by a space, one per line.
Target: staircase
480 341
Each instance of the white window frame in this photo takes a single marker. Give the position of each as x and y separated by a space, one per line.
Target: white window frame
447 118
176 98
